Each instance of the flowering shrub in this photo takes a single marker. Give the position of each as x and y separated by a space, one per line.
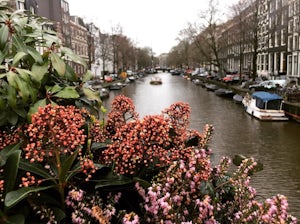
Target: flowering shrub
122 110
185 187
154 141
55 131
53 152
192 191
85 207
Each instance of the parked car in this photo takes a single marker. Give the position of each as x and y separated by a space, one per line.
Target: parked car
268 85
235 78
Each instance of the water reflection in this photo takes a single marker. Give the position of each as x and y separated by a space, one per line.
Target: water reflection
275 144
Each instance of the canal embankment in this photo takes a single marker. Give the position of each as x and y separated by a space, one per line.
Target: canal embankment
291 103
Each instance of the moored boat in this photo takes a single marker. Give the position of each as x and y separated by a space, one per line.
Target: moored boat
238 98
116 86
104 93
264 106
155 80
211 87
224 92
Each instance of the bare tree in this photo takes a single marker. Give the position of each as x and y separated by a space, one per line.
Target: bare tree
205 34
185 47
253 27
241 33
144 57
104 49
115 43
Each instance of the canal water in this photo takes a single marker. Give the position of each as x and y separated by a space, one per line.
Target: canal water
275 144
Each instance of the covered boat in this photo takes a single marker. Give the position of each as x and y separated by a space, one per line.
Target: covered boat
264 106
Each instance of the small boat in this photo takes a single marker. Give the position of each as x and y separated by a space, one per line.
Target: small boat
156 81
116 86
197 81
238 98
264 106
224 92
131 78
211 87
104 93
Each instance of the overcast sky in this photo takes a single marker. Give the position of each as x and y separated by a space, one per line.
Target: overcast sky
148 23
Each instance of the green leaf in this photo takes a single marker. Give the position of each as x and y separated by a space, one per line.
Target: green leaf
11 170
68 92
113 180
24 89
38 71
103 109
66 167
58 64
33 109
11 96
91 95
2 57
53 89
35 55
70 74
87 76
2 103
18 43
74 57
7 151
3 37
14 197
36 169
12 118
59 214
11 78
16 219
18 57
20 111
145 184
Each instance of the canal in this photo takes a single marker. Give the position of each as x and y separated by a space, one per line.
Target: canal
275 144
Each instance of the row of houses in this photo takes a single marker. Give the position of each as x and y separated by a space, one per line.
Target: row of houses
73 32
271 43
275 53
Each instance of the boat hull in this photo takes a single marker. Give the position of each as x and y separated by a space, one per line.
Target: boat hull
264 113
267 115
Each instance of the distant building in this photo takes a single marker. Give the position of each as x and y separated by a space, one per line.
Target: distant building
28 5
79 42
58 12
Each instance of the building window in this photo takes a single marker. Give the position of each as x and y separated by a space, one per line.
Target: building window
296 43
21 4
283 41
276 39
290 26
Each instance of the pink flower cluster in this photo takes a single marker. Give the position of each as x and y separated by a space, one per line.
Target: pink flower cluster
176 197
9 137
87 208
178 115
139 144
54 129
122 110
192 191
154 141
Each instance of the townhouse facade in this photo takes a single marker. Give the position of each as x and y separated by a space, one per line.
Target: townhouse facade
276 56
71 30
79 42
278 41
293 29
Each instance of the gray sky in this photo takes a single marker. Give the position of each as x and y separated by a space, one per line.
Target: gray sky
154 23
